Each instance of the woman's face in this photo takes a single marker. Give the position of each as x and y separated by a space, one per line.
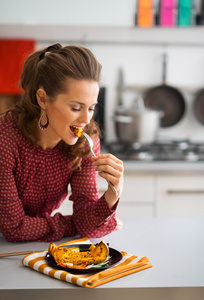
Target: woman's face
72 109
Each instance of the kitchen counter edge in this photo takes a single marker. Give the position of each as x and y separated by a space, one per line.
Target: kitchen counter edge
163 168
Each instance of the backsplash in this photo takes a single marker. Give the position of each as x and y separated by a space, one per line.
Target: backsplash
110 32
142 66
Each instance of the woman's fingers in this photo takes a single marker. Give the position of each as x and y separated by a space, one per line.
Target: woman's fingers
110 168
107 163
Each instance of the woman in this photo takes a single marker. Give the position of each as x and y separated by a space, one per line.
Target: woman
40 154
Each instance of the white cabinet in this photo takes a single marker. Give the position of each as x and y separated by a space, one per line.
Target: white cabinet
138 197
156 196
180 196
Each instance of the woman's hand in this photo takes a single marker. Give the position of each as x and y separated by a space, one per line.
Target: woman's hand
111 169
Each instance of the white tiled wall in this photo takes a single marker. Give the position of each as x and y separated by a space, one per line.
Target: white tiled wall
142 66
141 61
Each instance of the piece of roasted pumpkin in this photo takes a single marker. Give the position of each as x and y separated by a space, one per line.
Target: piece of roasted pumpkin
78 131
72 257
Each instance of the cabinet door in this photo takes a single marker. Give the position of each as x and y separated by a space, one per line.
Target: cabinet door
180 196
138 196
134 211
138 189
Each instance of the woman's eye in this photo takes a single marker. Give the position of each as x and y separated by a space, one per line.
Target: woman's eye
76 109
92 108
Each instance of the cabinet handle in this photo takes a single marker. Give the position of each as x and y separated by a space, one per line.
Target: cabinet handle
185 192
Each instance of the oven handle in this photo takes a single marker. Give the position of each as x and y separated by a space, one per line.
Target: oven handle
174 192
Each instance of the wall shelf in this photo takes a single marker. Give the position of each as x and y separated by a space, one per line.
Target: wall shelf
188 36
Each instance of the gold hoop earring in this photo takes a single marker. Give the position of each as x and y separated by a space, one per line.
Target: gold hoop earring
43 126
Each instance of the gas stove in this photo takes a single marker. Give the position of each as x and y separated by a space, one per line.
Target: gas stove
182 150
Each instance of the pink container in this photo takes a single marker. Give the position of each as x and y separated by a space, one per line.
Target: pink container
167 13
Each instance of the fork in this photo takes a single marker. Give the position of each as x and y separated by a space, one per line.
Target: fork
90 141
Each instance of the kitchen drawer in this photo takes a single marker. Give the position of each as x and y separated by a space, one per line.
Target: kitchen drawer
180 196
136 189
138 196
137 211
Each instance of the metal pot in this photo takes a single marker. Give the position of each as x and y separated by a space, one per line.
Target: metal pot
137 124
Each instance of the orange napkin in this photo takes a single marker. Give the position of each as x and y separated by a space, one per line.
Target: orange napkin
128 265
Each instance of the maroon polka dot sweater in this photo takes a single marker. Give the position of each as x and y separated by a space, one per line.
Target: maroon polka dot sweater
33 182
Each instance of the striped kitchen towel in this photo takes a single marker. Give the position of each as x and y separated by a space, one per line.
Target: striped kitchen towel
127 265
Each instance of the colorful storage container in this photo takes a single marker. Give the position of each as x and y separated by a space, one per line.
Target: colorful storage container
145 16
168 13
185 12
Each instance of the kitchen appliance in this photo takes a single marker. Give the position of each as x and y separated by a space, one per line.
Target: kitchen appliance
183 141
167 99
137 123
169 150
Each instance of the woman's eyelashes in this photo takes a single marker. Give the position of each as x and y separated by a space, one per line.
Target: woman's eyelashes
92 109
75 109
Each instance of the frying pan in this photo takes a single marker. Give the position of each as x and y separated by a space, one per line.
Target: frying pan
199 106
166 99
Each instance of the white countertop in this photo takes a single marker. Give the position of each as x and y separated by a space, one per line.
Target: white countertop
164 167
174 246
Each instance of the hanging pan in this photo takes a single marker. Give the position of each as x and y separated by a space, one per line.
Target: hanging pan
199 106
166 99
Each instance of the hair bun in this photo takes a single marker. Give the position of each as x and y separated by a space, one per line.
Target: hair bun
53 48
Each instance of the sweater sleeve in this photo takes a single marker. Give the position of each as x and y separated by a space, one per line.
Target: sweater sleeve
91 215
15 225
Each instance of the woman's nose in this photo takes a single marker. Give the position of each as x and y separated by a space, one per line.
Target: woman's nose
85 117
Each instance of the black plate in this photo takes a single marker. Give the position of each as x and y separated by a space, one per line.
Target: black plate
116 256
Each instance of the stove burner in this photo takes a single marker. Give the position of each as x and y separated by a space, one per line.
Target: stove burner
182 150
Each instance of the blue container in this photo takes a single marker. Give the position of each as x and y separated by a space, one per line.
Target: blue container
185 8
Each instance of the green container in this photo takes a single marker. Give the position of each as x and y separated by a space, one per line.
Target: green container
185 8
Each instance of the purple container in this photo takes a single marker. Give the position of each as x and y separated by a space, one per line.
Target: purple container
167 13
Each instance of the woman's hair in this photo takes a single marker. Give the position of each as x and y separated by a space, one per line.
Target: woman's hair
51 69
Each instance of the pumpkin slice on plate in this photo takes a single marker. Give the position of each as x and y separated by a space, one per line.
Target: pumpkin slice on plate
96 254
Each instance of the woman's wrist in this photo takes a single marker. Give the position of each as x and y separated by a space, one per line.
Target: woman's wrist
110 198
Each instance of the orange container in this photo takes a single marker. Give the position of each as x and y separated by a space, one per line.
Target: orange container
145 17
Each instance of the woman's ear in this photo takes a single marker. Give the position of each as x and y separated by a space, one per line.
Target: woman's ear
42 98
